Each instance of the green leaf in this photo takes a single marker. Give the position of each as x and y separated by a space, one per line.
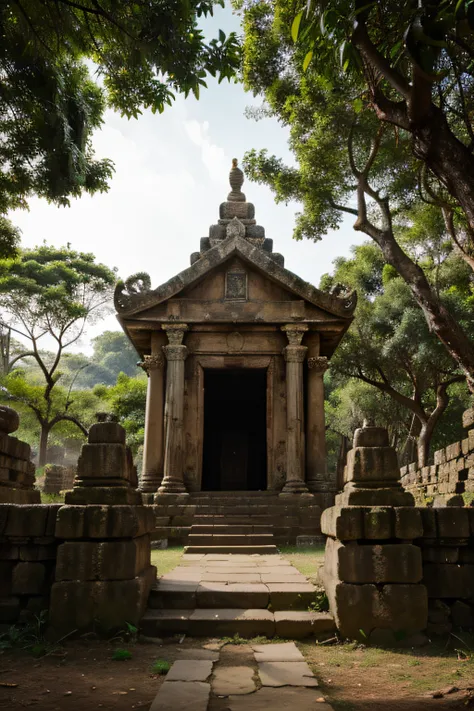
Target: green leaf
295 27
307 60
358 105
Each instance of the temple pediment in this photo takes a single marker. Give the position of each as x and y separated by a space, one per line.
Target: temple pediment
233 280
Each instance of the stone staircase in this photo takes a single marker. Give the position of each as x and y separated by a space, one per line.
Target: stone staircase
286 518
210 535
227 594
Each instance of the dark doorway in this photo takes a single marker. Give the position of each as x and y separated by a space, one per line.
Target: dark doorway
235 441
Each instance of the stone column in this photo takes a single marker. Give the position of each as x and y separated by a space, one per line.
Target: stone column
152 472
294 355
173 468
316 467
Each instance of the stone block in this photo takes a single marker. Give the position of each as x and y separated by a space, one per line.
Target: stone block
104 521
286 674
378 522
387 563
110 560
107 605
183 695
346 524
354 495
103 461
36 553
440 456
408 523
443 580
300 624
453 451
371 437
103 495
440 554
453 522
358 609
106 433
429 520
27 521
468 418
190 670
28 578
372 464
462 615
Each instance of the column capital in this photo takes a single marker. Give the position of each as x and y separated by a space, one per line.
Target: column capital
173 352
318 363
175 332
294 332
151 362
295 354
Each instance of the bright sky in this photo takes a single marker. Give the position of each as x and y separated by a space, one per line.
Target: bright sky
171 174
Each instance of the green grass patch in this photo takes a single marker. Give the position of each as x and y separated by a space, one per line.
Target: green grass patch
160 666
306 560
121 655
166 559
52 498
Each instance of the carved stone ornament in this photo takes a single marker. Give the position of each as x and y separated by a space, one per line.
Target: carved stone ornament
295 332
235 228
236 180
318 363
175 332
175 352
295 354
151 362
136 288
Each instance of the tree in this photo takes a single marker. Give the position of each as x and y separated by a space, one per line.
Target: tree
343 151
143 52
114 352
50 294
389 346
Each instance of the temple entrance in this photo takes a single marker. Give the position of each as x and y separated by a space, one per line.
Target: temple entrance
235 446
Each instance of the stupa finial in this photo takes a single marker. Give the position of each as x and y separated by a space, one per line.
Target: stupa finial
236 180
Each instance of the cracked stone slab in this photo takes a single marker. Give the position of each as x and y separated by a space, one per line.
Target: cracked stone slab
200 654
268 699
182 695
233 680
190 670
286 652
286 674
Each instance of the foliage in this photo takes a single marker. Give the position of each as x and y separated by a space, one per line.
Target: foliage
143 53
127 399
160 666
350 159
121 655
51 293
29 637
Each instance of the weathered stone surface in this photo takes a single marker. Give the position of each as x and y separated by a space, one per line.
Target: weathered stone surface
453 522
286 652
371 437
104 521
387 563
106 432
372 464
355 496
106 495
233 680
28 578
281 699
104 560
408 523
449 581
26 521
190 670
290 596
9 419
300 624
378 522
241 595
182 695
286 674
468 418
248 623
343 523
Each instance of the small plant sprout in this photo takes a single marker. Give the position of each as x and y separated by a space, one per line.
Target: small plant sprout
160 666
121 655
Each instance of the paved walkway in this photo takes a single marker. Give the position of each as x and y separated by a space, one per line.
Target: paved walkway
265 677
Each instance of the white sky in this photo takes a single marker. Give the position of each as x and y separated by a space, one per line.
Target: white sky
170 177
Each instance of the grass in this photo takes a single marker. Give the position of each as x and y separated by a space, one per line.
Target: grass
160 667
166 559
306 560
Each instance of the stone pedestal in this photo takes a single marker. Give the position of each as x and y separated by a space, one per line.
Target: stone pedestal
103 572
173 469
152 472
372 572
316 466
105 470
54 478
294 356
17 472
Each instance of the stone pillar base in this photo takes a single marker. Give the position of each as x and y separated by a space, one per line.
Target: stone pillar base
148 498
150 484
294 486
172 485
169 497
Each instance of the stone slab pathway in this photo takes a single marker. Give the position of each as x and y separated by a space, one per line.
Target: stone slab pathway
266 677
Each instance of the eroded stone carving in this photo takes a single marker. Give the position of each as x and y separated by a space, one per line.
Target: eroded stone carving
126 292
294 332
151 362
318 363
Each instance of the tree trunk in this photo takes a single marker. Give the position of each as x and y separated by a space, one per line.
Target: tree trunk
43 448
428 427
408 453
439 320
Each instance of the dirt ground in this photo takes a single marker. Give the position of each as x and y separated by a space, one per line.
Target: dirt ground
81 675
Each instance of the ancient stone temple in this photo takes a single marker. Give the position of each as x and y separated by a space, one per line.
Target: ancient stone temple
235 348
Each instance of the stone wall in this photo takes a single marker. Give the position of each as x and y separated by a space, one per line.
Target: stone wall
449 481
28 549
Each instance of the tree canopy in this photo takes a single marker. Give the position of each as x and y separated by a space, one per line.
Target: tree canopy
348 161
143 53
49 294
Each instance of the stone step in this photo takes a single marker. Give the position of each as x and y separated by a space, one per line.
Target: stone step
229 529
230 621
220 519
189 595
224 549
224 539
